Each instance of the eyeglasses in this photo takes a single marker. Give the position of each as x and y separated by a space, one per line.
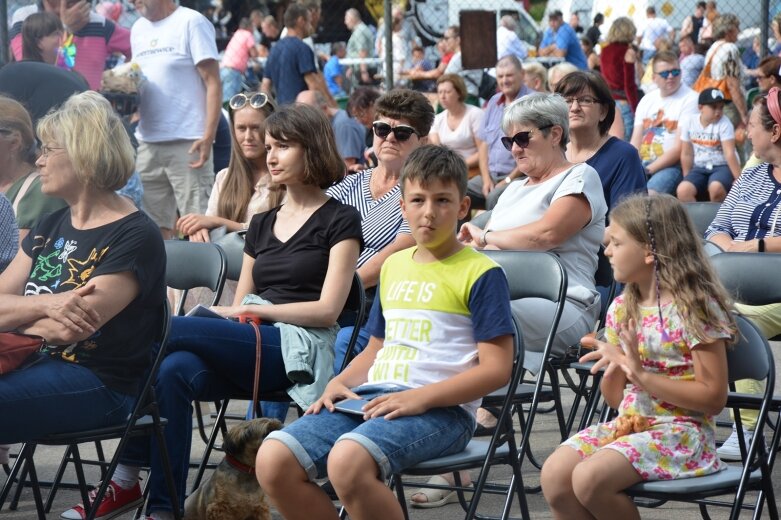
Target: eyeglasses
584 101
667 73
401 132
522 139
46 151
257 100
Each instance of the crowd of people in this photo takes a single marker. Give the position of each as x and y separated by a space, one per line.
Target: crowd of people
578 158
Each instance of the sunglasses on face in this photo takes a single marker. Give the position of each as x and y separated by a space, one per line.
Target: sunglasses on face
400 132
522 139
667 73
257 100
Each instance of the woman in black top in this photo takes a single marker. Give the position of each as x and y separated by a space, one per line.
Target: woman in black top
299 261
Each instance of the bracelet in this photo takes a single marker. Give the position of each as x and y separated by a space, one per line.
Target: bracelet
483 237
760 245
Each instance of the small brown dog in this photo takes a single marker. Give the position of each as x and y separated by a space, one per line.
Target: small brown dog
232 492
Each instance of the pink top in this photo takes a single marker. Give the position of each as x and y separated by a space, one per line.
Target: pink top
237 52
94 43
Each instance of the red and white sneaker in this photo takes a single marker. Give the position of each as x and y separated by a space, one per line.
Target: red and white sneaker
116 502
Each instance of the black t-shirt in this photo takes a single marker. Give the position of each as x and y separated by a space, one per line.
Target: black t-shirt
593 34
39 86
294 271
66 258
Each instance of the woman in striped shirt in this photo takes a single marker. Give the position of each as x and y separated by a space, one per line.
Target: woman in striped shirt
748 221
403 120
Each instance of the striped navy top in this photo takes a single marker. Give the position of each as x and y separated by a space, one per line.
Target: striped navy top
381 219
751 209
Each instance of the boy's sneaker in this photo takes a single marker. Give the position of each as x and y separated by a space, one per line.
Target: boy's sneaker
116 502
730 450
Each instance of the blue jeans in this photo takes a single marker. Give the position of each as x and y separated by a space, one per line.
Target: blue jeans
208 360
628 116
395 445
231 83
343 339
53 396
665 180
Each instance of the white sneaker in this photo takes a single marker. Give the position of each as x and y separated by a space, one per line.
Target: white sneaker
730 450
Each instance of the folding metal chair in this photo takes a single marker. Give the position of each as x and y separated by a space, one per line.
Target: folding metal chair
354 309
194 264
500 450
144 420
702 214
751 358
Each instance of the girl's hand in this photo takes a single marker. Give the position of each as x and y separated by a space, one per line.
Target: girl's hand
632 364
334 391
605 354
202 235
469 234
398 404
192 222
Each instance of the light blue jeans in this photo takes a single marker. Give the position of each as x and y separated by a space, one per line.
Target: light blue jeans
665 180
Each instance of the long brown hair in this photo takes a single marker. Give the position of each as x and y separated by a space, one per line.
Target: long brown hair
684 269
239 179
35 27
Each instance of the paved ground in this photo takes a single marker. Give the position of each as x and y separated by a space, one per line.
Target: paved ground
544 440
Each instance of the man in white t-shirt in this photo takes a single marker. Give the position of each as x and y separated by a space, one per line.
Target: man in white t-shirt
655 133
708 156
179 108
655 28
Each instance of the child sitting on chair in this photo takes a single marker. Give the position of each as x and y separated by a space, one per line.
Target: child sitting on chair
441 339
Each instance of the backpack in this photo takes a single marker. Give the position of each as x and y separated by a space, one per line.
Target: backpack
487 87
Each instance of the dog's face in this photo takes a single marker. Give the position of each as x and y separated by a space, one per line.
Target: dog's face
244 439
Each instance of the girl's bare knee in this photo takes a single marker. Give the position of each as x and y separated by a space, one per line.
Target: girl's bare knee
585 482
556 476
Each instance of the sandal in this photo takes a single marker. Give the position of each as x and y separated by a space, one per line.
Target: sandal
437 497
487 431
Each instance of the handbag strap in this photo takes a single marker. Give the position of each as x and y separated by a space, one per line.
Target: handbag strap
23 190
706 69
256 379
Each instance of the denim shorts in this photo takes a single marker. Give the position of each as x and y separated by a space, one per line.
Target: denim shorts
665 180
703 177
395 445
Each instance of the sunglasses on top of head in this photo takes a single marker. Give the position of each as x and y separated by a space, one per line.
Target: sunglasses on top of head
667 73
256 100
522 139
401 132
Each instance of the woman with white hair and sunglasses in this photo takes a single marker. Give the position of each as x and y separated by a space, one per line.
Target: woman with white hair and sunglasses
559 207
244 188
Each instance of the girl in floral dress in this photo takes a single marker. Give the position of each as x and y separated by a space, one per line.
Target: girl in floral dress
665 367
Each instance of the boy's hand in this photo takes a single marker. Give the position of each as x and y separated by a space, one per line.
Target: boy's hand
334 391
398 404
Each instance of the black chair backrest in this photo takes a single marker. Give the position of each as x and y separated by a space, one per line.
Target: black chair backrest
750 278
532 274
702 214
194 264
604 275
161 338
233 246
750 357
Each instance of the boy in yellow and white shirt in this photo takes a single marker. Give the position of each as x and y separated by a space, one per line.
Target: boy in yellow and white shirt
441 339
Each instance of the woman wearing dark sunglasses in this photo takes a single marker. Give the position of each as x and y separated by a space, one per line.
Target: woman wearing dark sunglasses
403 119
558 207
244 188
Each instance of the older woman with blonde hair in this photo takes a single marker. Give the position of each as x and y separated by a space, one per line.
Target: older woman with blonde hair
456 127
536 76
725 64
619 58
89 279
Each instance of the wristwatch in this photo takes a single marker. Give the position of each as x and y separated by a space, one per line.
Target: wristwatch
760 244
483 236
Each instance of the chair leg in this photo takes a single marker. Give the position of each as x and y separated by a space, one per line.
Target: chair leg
33 474
398 486
219 422
58 478
17 470
169 476
22 477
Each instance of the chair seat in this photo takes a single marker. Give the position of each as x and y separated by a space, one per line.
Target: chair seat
474 453
687 486
583 367
143 425
524 392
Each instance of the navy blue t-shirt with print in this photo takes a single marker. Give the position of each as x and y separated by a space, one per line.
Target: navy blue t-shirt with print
289 61
65 258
